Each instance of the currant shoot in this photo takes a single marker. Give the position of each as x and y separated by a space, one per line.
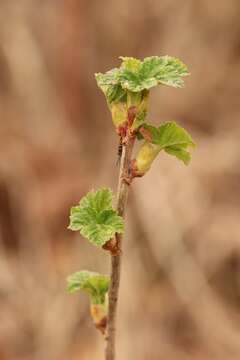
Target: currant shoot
126 89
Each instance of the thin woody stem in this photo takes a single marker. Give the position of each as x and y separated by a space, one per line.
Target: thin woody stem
122 195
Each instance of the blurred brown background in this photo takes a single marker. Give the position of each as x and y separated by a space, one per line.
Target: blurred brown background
180 289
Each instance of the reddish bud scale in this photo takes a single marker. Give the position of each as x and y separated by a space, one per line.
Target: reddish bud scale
99 316
146 134
122 129
134 171
131 114
112 246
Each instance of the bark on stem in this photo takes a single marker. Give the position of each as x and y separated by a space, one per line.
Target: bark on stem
122 195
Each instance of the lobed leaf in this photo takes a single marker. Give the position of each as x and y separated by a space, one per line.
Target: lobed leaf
150 72
109 78
110 85
95 284
180 152
171 138
135 75
95 217
166 70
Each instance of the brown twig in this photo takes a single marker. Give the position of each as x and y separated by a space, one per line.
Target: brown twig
122 195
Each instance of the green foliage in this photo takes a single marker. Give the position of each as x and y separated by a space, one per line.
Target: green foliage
115 93
152 71
166 70
95 217
169 133
110 86
139 119
127 91
140 101
128 86
130 64
180 152
96 285
135 76
172 138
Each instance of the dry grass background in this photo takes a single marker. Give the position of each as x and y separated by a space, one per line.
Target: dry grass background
180 290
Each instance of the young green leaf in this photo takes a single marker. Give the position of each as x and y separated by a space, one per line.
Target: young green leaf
115 94
140 102
110 86
180 152
166 70
170 137
135 75
169 134
96 285
109 78
150 72
95 217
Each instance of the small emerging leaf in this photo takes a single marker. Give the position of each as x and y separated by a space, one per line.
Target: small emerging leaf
96 285
130 64
140 101
170 137
95 217
119 113
110 86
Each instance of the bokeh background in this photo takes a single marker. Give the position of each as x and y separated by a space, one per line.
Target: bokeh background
180 289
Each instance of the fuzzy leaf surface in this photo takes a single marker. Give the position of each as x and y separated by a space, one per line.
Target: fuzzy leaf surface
95 217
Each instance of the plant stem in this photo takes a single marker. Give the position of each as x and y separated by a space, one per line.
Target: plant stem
122 195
